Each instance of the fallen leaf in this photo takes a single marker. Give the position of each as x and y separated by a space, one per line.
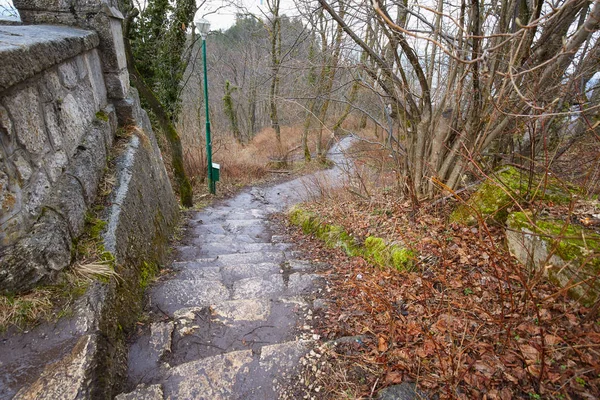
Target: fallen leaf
394 377
382 344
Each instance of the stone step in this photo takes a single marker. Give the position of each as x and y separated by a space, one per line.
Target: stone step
227 274
268 287
146 353
143 392
233 273
237 374
213 249
238 258
173 295
224 238
185 271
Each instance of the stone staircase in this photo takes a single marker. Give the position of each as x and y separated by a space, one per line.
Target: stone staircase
228 315
230 319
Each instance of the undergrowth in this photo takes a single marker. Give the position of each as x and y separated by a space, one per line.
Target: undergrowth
467 321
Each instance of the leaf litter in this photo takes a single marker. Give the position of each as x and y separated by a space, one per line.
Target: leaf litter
466 322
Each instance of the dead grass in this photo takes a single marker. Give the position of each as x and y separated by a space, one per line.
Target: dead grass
22 310
94 270
249 163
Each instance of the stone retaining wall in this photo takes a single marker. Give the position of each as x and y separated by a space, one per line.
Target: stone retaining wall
56 128
64 96
64 92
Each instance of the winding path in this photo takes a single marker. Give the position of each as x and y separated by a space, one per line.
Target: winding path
229 312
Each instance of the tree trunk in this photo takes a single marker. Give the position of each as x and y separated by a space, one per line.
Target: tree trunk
185 189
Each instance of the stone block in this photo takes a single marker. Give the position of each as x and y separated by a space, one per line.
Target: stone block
5 122
89 160
68 378
82 71
23 167
29 50
114 123
45 250
68 73
35 193
110 31
403 391
55 164
128 109
96 78
71 123
53 128
9 194
50 86
68 199
11 230
117 84
24 109
143 392
68 6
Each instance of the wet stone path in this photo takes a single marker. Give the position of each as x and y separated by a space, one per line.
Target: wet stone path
229 311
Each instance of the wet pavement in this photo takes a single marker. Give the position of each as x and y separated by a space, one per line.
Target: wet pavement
227 317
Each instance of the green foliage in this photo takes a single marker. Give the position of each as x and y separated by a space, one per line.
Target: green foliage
158 39
101 115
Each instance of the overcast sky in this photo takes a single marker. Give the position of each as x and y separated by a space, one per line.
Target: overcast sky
220 13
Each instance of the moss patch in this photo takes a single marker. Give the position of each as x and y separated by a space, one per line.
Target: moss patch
374 249
496 194
102 116
379 252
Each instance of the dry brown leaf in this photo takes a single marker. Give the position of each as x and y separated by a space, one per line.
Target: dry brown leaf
394 377
551 340
382 344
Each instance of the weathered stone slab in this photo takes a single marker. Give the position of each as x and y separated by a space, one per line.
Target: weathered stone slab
215 229
242 271
212 249
28 50
253 257
242 310
160 337
143 392
24 108
173 295
251 288
187 272
300 265
403 391
43 252
67 379
302 283
283 356
211 378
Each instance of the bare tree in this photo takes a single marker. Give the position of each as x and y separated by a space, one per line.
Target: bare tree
460 79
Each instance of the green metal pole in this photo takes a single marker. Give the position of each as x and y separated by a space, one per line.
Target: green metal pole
211 182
